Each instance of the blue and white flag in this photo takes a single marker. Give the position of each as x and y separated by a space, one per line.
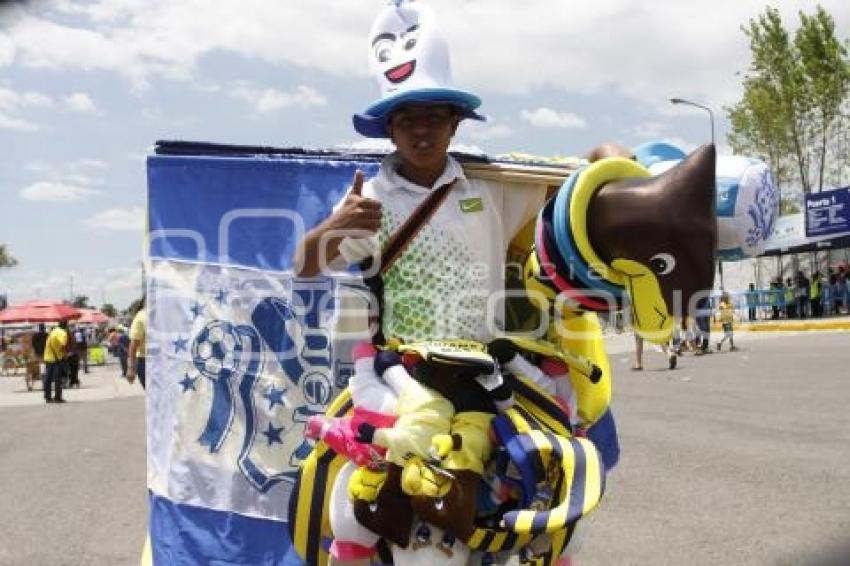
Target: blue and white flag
239 353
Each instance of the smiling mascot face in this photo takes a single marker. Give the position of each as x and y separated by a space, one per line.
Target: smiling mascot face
405 49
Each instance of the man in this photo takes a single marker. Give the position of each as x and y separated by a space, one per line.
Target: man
122 349
72 359
39 341
81 345
138 331
441 285
54 358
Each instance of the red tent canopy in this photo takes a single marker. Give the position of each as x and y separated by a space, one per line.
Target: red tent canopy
92 316
39 311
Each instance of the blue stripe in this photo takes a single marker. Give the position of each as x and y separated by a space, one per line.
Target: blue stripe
579 479
188 535
564 239
603 434
191 198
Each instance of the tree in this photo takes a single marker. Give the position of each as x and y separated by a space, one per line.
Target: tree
109 310
827 72
6 259
791 112
81 302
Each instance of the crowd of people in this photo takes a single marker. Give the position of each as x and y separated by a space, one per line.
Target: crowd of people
808 297
694 334
57 355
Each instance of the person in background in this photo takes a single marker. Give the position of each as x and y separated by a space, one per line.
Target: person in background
136 353
777 297
112 340
752 302
39 341
122 350
54 359
841 291
828 294
790 299
802 294
72 360
702 323
726 313
671 349
81 347
815 295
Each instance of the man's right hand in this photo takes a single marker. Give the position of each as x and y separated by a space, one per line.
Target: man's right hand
357 212
357 217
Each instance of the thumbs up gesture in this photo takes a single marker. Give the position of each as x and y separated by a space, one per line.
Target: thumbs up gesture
358 212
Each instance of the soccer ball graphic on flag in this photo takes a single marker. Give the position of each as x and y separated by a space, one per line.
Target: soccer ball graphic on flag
217 349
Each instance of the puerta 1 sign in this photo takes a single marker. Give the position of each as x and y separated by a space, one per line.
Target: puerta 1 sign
828 212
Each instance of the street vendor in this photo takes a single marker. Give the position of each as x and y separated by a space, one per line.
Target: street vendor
448 280
440 286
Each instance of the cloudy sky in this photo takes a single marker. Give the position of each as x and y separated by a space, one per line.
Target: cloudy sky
86 87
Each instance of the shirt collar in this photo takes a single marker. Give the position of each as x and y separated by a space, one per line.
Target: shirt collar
394 181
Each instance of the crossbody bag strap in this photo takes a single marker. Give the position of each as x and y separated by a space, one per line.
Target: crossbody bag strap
404 235
398 242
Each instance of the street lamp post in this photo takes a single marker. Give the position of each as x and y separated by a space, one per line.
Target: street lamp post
706 108
711 119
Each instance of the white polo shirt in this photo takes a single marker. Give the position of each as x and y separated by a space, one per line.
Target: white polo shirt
448 283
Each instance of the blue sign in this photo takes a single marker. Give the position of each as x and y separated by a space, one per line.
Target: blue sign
828 212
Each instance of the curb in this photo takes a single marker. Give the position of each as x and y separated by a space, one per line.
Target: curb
804 326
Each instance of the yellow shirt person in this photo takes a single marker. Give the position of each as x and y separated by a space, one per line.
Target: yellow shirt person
54 350
54 354
726 314
138 332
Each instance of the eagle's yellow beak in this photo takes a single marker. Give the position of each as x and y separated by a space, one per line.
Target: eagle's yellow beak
650 315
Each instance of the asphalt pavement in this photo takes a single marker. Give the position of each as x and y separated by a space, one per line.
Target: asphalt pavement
736 458
73 475
733 458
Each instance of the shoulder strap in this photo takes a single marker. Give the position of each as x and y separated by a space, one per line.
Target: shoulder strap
397 243
401 238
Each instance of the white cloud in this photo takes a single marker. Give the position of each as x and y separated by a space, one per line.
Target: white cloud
18 124
547 118
490 130
648 130
159 38
13 103
123 219
690 49
7 50
118 285
265 100
80 102
53 191
88 163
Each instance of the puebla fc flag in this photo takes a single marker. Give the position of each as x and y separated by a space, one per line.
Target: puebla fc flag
239 352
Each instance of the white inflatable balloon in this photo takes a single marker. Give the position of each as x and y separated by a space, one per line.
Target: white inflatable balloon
747 204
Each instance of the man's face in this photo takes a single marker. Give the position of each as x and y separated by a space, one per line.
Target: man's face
422 133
